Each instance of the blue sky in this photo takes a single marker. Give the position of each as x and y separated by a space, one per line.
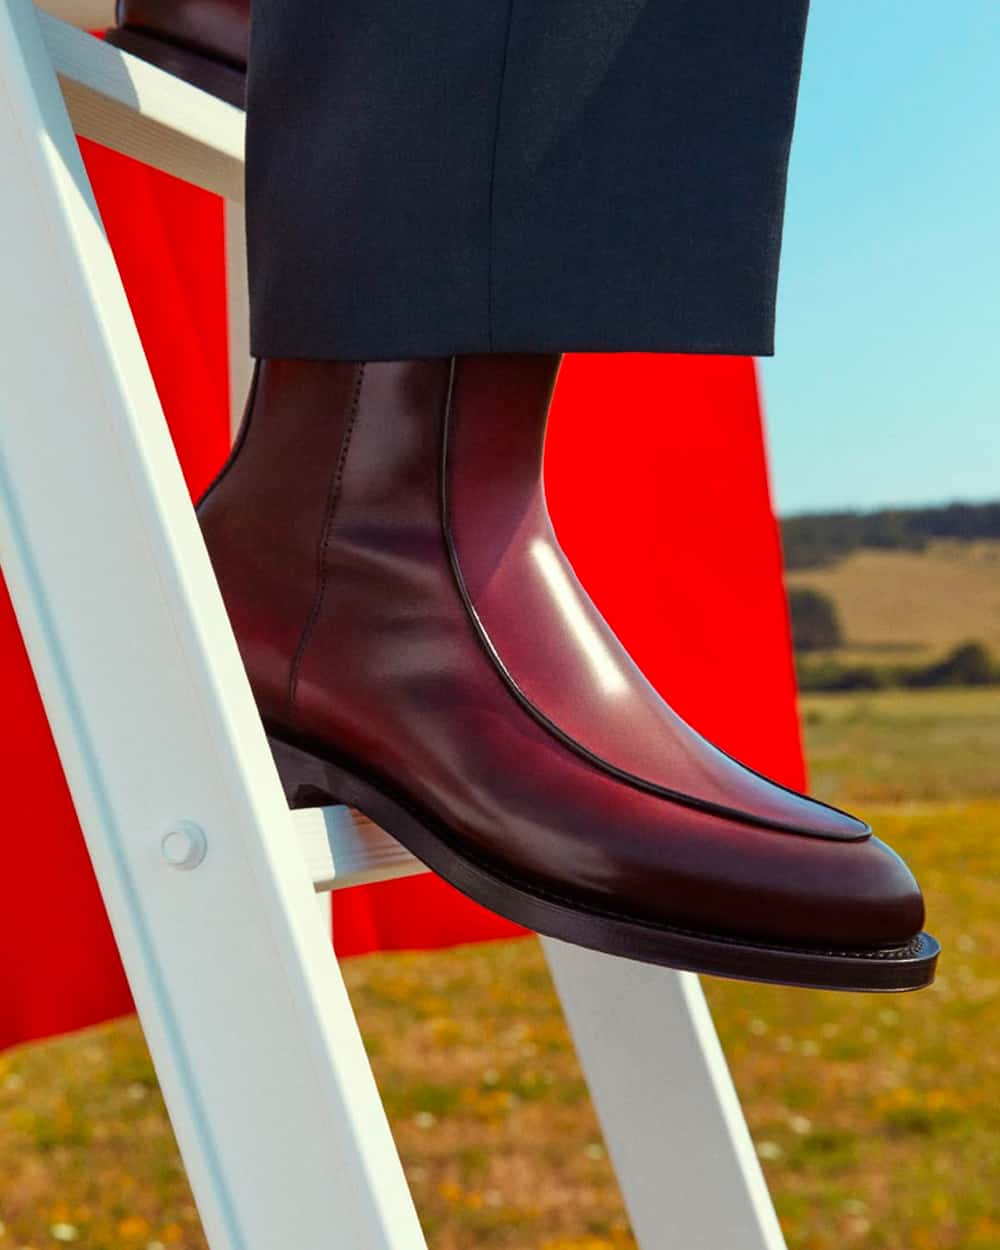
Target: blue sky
885 386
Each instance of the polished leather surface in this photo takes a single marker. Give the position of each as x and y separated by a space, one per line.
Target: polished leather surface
548 633
216 28
383 547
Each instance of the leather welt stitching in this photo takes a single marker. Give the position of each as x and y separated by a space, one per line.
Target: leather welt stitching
332 498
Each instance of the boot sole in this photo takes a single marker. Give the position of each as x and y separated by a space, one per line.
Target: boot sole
312 777
216 77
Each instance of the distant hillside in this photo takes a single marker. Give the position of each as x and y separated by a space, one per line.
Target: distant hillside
912 605
819 539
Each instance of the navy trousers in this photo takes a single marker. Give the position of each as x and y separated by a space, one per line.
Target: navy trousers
431 177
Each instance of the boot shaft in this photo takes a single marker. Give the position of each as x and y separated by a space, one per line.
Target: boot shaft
335 488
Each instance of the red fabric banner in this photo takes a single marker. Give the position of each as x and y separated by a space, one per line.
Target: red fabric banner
657 478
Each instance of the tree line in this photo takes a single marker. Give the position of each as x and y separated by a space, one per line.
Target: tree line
817 539
968 664
816 628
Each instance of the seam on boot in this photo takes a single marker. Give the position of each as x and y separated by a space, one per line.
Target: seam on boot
332 498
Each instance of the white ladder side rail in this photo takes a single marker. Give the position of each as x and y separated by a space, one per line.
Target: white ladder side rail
255 1044
672 1119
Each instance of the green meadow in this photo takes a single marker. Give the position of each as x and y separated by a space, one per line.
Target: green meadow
877 1117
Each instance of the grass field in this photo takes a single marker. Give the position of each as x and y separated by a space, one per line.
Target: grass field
878 1119
900 746
905 605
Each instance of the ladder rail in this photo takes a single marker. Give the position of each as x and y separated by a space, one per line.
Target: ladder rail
259 1056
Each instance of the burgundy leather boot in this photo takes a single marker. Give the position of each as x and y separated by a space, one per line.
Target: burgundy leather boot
204 42
420 649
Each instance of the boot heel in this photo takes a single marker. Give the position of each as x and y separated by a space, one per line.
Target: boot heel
216 77
307 780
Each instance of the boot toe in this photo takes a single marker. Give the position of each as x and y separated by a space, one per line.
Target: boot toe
874 900
834 895
704 873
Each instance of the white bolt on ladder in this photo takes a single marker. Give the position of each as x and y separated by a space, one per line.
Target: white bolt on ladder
205 873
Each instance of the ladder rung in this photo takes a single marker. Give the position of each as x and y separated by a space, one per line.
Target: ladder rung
146 113
344 848
87 14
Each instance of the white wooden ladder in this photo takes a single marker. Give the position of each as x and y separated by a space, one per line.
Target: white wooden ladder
206 874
